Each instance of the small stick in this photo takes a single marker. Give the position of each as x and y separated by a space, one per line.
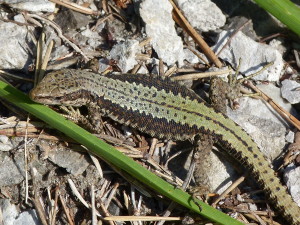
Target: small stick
75 7
285 114
196 76
228 190
182 22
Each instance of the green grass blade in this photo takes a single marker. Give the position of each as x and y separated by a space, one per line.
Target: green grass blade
285 11
110 154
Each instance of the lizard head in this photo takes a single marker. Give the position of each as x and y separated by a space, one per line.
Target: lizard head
58 88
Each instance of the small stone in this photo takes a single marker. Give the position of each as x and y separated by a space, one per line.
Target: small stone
252 207
290 90
74 162
124 53
5 143
161 29
290 137
93 39
292 177
278 44
9 212
28 217
190 56
13 44
68 20
10 173
239 198
202 14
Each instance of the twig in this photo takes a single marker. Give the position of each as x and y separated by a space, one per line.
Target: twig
54 211
96 163
78 195
228 190
196 76
285 114
94 217
66 210
26 161
183 23
75 7
37 204
60 34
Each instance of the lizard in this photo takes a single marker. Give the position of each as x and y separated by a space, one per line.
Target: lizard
163 108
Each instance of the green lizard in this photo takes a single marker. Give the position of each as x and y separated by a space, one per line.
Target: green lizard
166 109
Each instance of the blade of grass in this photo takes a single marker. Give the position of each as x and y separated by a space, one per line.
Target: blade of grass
284 10
108 153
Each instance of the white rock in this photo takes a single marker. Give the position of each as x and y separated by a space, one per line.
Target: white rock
292 177
13 44
290 137
27 217
5 143
10 173
252 207
72 161
124 53
202 14
160 27
240 198
19 18
93 38
9 212
32 5
254 56
277 43
290 90
190 56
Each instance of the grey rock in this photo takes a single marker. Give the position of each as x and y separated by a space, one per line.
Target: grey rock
9 212
124 53
69 19
190 56
10 173
254 56
5 143
290 137
28 217
290 90
74 162
15 43
202 14
278 44
93 39
11 215
161 29
219 176
292 177
32 5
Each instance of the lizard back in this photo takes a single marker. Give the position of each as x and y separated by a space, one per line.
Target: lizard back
164 108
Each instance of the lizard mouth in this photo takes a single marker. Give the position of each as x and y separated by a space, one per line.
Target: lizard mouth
43 99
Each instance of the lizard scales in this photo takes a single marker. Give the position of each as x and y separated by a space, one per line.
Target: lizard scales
164 108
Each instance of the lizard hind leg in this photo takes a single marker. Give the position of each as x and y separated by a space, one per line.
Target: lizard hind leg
203 144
